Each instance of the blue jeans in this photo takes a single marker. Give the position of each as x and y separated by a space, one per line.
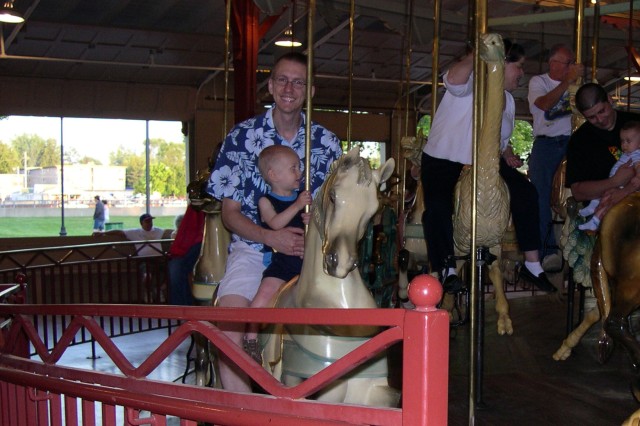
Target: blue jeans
179 270
546 156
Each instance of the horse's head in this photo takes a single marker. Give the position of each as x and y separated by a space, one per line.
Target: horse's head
346 203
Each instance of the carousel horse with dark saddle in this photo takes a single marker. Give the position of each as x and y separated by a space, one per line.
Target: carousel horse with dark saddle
330 279
616 283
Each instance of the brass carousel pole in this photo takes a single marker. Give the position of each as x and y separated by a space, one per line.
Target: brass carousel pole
311 13
594 43
579 25
475 367
352 12
435 57
401 159
227 37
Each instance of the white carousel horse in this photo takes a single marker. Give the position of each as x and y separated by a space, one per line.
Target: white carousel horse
330 279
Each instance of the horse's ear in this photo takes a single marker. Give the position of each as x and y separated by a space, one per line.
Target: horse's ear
385 172
354 152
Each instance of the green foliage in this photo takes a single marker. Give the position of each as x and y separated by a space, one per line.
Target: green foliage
39 152
522 139
424 125
135 164
167 173
9 159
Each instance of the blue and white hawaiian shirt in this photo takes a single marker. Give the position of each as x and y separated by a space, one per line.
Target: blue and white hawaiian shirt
236 173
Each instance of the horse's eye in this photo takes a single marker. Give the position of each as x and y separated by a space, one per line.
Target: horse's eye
332 196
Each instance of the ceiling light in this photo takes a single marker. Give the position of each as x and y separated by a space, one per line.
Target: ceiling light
9 15
288 40
633 78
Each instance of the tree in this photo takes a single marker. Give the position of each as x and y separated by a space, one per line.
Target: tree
9 159
171 155
522 139
39 152
135 164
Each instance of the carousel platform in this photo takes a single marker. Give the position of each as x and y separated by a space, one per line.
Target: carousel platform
522 383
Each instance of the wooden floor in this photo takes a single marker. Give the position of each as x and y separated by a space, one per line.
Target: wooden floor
522 384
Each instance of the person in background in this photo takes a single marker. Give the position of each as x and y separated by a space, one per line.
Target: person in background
630 145
176 224
107 216
549 105
594 148
146 232
98 215
183 255
449 149
236 181
282 206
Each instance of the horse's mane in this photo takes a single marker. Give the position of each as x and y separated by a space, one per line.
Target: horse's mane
345 162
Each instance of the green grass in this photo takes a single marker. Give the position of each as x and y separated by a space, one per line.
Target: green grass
22 227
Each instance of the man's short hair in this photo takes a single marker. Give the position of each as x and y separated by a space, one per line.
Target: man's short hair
589 95
298 57
145 216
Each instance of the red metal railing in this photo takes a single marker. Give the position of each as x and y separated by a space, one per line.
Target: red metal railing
43 390
110 272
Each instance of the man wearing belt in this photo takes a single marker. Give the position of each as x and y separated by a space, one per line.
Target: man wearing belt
551 111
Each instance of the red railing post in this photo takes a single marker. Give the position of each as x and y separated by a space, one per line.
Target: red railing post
426 356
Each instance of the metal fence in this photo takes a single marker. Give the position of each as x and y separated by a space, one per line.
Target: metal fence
102 273
43 392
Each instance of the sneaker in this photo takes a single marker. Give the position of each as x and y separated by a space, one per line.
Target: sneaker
541 281
252 348
452 284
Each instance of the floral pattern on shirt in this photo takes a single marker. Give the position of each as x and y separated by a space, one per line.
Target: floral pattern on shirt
236 175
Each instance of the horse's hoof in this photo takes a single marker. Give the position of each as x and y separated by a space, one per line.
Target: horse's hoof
605 348
562 354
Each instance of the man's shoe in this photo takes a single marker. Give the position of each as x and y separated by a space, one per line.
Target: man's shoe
541 281
452 284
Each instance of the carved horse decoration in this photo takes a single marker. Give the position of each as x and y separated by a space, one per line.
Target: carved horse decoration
616 283
330 279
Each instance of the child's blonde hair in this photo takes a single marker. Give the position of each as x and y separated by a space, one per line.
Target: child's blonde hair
269 155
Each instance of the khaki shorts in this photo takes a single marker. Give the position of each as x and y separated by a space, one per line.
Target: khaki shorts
244 272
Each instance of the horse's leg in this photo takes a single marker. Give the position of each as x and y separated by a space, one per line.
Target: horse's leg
576 335
403 279
502 306
202 360
602 291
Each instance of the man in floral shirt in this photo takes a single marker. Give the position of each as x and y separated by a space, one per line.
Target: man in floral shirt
236 180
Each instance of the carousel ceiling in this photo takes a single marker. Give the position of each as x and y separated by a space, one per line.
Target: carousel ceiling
182 42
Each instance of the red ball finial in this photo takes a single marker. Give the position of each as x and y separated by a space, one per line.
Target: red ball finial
425 291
